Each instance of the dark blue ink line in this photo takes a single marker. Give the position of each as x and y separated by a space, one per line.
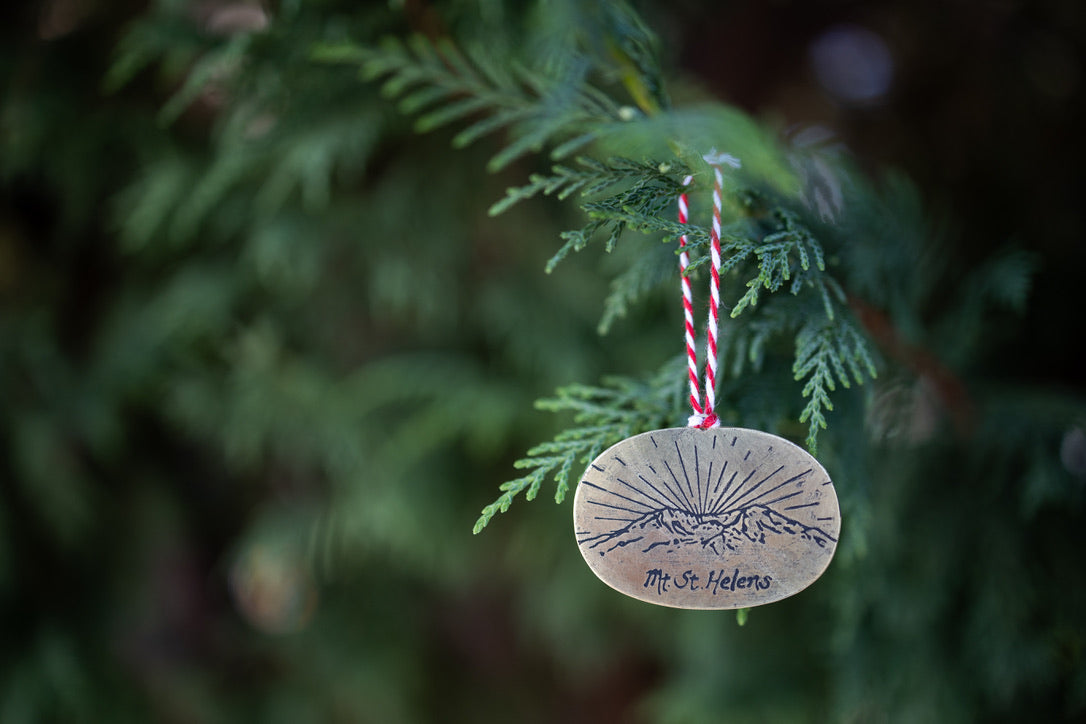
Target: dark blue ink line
624 543
653 441
747 455
598 540
708 484
687 477
616 507
734 438
597 467
687 507
740 487
786 482
720 500
625 520
785 497
720 477
617 495
712 500
678 505
759 484
641 492
620 461
805 505
697 476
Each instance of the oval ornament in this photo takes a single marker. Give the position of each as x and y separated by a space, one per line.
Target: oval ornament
707 519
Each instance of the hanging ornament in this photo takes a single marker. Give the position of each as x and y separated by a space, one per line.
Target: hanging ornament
703 516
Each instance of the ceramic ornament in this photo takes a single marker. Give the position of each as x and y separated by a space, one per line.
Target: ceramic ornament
709 519
704 516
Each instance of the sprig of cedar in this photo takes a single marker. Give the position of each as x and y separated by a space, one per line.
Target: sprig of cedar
766 246
602 417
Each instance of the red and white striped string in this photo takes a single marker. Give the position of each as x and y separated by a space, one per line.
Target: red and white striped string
688 312
704 416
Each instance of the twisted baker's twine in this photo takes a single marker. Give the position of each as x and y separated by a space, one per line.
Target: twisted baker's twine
704 417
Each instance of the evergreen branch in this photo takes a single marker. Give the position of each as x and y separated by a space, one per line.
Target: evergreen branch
626 195
604 416
633 47
813 352
766 240
442 84
826 353
746 344
577 240
646 272
574 144
484 127
781 250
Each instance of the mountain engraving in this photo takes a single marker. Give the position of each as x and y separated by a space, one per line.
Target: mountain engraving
718 518
668 530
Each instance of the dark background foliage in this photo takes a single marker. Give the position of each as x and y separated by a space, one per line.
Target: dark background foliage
263 357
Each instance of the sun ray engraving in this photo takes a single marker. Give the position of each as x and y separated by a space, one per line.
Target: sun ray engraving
720 478
678 486
738 489
736 501
642 493
759 484
795 479
672 499
708 483
614 507
686 476
784 497
727 487
618 495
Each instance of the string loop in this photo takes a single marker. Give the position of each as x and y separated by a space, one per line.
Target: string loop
704 416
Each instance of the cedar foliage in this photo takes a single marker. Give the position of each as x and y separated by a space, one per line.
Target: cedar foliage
263 353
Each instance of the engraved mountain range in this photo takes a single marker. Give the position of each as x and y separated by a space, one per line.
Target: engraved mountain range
668 529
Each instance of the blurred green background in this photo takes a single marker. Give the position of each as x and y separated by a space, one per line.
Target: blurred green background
264 356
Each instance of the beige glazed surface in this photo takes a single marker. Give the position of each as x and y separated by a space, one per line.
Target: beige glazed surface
708 519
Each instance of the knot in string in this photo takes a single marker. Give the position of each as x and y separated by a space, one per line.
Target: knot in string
703 421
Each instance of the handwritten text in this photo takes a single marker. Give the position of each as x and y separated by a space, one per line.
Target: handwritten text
714 582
